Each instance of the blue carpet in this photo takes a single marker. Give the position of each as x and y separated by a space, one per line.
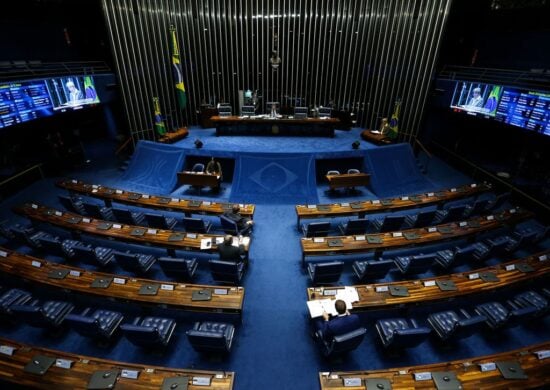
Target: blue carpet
153 167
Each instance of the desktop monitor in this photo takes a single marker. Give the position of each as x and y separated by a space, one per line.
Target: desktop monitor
224 110
300 112
248 110
325 112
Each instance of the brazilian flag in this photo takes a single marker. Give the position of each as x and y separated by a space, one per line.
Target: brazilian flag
89 90
178 73
490 106
393 130
160 127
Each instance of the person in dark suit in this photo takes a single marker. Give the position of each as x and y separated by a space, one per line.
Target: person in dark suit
229 252
344 322
243 224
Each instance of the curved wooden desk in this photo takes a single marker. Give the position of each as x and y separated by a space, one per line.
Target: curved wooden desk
321 246
127 288
188 207
82 368
169 239
467 371
391 204
173 136
422 291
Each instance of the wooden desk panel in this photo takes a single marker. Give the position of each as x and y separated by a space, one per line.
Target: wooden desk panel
467 372
370 299
425 236
78 376
348 180
26 267
274 125
376 138
188 207
199 179
391 204
171 137
188 242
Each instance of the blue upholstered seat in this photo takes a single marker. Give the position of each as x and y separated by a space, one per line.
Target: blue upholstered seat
449 323
498 316
498 201
11 297
136 262
533 298
48 315
491 247
211 336
198 167
72 203
416 264
371 270
99 212
343 343
388 223
149 332
450 214
55 246
100 324
354 226
98 256
180 268
129 217
401 333
227 271
520 238
422 219
316 229
28 235
325 273
445 257
479 207
230 227
159 221
197 225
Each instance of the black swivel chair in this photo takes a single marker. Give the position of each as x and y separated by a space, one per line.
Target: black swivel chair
99 212
211 337
129 217
197 225
99 324
49 315
450 324
135 262
160 221
388 223
98 256
354 226
401 332
227 271
371 270
149 332
181 268
341 344
11 297
325 273
422 219
316 229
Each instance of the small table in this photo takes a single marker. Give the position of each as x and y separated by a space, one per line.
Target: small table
199 179
348 180
375 137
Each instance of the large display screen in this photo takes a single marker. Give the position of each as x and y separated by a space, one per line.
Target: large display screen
517 107
27 100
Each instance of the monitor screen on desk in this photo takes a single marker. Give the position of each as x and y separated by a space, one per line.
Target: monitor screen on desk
325 112
300 112
248 110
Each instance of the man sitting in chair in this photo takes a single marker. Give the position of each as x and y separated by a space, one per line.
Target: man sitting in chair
229 252
344 322
243 224
214 167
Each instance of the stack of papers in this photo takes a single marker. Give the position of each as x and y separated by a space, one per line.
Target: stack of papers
318 306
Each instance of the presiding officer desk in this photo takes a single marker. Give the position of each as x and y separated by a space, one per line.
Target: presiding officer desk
391 204
422 291
535 367
170 239
81 368
341 245
173 295
199 179
348 180
188 207
282 125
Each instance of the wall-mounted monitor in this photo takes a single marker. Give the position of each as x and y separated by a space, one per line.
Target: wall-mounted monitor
70 93
476 98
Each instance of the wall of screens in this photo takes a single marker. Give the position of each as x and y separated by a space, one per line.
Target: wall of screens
27 100
514 106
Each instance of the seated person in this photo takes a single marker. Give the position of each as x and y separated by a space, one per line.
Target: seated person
243 224
386 130
214 167
228 252
344 322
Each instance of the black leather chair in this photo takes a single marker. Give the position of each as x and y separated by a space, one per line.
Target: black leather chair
492 245
230 227
129 217
316 229
99 212
54 246
325 273
198 167
99 324
159 221
48 315
445 257
354 226
211 336
422 219
28 235
388 223
449 324
371 270
197 225
227 271
14 296
479 207
416 264
534 299
452 213
73 204
401 333
180 268
459 255
498 201
149 332
498 316
343 343
519 239
135 262
98 256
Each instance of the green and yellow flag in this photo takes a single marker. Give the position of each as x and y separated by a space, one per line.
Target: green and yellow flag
394 122
160 127
178 73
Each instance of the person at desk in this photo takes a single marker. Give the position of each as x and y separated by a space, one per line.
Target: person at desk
243 224
386 130
229 252
214 168
345 322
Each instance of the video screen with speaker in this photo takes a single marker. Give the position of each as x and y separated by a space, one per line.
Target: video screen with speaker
72 92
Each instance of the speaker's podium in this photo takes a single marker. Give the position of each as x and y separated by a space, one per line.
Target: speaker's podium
173 136
376 137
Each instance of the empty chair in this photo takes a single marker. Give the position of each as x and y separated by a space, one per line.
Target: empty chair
498 201
449 324
14 296
54 246
198 167
343 343
149 332
129 217
211 336
135 262
519 239
159 221
354 226
450 214
445 257
48 315
499 316
460 255
197 225
333 172
479 207
99 212
388 223
533 298
401 333
227 271
98 256
316 229
180 268
416 264
6 232
422 219
490 247
372 269
99 324
353 170
28 235
72 203
230 227
224 110
325 273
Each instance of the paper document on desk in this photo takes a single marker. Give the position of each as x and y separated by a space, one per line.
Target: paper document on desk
348 294
318 306
206 243
375 132
244 241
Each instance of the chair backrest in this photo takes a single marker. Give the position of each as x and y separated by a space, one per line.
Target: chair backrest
174 266
499 200
353 170
198 167
378 269
11 297
194 225
248 110
67 203
204 341
92 210
422 262
156 220
229 226
328 272
127 260
392 222
455 212
123 216
345 342
226 271
408 338
142 335
357 226
317 229
425 218
86 326
465 253
325 112
51 245
85 254
479 206
333 172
